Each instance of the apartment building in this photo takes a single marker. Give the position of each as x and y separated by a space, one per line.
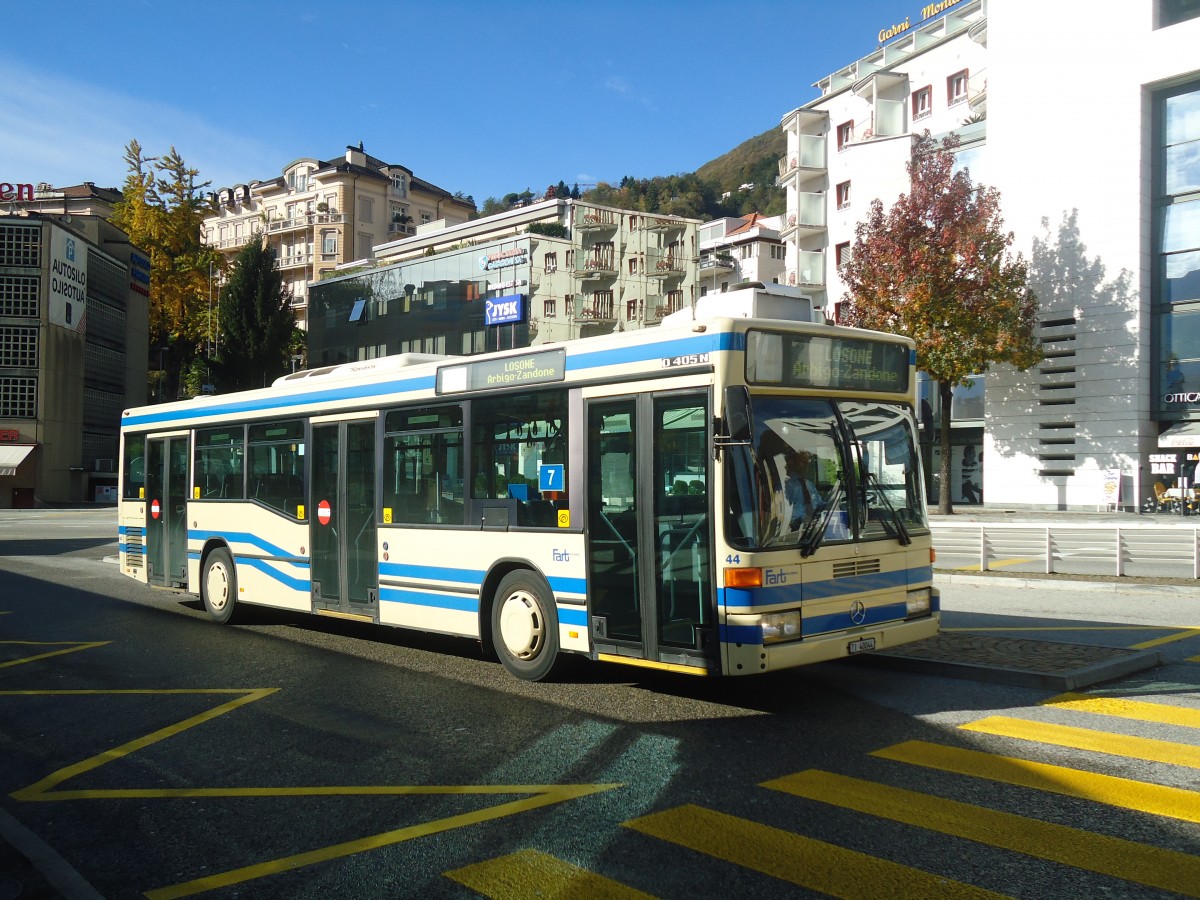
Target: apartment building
554 270
1098 179
319 214
741 249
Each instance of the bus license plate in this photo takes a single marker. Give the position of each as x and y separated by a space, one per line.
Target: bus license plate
863 646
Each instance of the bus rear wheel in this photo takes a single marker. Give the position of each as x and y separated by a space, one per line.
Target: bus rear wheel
218 586
525 626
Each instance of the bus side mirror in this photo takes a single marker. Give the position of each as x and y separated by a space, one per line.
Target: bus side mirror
737 413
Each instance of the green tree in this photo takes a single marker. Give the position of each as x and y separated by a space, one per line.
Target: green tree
937 268
256 321
162 210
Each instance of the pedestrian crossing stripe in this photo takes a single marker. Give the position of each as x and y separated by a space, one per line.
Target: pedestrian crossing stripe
800 860
1116 857
1156 799
1141 710
1147 749
531 873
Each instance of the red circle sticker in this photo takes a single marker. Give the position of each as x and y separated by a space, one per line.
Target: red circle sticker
324 514
155 509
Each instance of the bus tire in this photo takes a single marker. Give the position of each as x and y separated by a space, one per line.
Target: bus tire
525 626
218 586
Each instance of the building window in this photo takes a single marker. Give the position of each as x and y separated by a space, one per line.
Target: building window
922 102
675 300
19 295
845 135
843 195
778 251
399 186
18 398
551 262
18 347
1172 12
550 307
329 242
426 218
366 209
1177 239
956 88
842 253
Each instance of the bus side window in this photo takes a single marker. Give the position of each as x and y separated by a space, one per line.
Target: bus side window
423 466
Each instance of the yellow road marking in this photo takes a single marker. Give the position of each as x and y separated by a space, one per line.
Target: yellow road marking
1141 710
552 795
997 564
1063 628
44 789
1157 642
1139 863
1086 739
531 873
1125 793
807 862
69 647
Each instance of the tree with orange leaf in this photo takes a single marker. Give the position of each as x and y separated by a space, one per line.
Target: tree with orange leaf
937 267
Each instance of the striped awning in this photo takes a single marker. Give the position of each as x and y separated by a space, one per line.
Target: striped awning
11 456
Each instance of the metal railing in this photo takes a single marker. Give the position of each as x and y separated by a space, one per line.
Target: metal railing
1125 549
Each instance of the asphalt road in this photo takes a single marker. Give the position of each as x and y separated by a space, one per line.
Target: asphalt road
156 754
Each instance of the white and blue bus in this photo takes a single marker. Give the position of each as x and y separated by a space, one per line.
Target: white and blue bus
734 496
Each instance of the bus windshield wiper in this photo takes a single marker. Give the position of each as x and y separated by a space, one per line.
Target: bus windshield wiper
814 528
901 532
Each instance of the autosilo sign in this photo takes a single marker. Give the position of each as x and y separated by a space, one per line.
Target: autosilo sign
68 280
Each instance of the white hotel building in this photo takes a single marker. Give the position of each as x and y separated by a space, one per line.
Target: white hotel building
1086 117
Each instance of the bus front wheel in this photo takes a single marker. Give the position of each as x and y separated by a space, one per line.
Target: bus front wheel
525 626
218 586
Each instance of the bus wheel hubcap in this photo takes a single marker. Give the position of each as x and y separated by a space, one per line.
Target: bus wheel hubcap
218 588
522 626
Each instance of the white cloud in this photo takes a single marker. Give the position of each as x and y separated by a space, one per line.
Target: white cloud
66 132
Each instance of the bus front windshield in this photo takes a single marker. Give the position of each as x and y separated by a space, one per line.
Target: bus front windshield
823 471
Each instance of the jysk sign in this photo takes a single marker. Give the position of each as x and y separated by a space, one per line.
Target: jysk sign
512 371
501 310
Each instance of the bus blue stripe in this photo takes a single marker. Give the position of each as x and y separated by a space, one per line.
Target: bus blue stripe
349 391
572 616
453 602
707 343
562 585
244 537
740 598
840 621
262 565
473 577
741 634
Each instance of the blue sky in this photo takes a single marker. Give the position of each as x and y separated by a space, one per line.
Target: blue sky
483 98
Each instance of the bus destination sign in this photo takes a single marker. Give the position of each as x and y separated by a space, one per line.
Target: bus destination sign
837 363
511 371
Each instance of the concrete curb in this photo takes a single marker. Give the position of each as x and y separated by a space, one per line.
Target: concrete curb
1066 583
49 865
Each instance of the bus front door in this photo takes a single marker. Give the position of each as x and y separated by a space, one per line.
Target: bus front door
649 582
166 510
345 571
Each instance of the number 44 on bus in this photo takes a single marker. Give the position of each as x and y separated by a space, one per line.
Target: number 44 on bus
728 497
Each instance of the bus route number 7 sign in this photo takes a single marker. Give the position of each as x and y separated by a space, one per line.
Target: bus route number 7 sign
551 477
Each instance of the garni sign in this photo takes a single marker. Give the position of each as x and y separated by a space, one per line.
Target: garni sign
928 11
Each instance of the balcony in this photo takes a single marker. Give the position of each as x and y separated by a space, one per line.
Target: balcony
658 224
594 219
400 228
655 309
977 92
593 265
667 265
294 261
806 162
716 263
808 215
595 309
810 271
280 226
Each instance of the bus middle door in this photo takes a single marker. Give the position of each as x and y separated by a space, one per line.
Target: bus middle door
166 510
649 573
345 569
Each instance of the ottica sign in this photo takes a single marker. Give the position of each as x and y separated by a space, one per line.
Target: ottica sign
509 308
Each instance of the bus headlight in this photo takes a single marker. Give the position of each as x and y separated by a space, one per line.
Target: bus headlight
784 626
919 603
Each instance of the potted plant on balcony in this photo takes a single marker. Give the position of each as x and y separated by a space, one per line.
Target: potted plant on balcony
322 207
